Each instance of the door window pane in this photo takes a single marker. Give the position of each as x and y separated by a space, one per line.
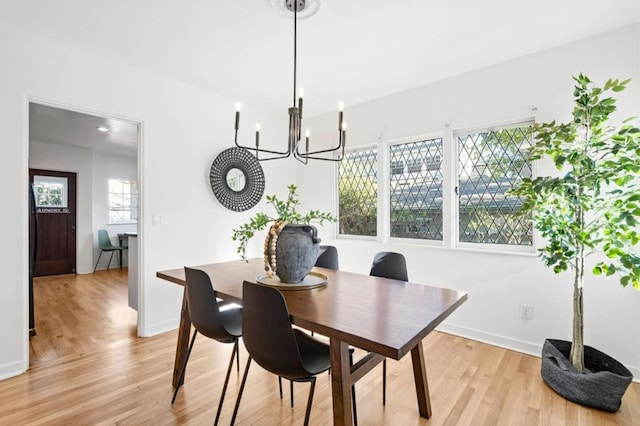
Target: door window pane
50 191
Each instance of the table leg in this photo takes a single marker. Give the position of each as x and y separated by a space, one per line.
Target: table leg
120 240
184 331
420 377
341 382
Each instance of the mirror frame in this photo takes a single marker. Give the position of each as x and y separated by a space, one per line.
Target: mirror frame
251 194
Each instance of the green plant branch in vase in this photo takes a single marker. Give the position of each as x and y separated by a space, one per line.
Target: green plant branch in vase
286 213
595 207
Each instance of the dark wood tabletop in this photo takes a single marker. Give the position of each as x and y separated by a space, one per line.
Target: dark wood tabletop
387 318
375 314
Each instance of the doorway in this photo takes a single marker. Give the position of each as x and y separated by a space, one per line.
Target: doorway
53 222
75 154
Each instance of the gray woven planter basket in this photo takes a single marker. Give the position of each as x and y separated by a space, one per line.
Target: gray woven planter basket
601 388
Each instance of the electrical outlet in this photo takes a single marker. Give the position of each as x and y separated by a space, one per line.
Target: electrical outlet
526 311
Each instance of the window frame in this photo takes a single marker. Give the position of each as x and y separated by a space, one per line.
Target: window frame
450 177
388 144
130 208
338 235
489 247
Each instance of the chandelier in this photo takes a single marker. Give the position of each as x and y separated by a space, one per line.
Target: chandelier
300 153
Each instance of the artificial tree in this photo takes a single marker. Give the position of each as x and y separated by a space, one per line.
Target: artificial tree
594 207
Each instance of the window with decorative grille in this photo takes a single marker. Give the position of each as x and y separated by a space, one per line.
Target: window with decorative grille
490 162
475 210
358 193
415 193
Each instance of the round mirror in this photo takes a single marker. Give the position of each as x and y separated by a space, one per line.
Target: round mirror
236 179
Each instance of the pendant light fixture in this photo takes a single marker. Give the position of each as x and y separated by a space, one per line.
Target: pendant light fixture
295 146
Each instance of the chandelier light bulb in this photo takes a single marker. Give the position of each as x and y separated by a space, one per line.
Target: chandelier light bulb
301 93
238 106
257 127
340 106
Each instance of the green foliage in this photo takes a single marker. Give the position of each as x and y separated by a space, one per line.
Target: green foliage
358 207
285 211
500 151
595 206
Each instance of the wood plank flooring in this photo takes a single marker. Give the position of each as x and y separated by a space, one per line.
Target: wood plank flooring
89 369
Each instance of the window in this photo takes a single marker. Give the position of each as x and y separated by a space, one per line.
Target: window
358 193
415 200
397 167
491 162
123 201
428 195
50 191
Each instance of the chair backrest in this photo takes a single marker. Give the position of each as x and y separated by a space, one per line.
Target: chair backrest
203 306
328 258
104 242
267 332
390 265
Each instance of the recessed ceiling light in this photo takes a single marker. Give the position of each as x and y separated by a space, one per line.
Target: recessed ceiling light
103 129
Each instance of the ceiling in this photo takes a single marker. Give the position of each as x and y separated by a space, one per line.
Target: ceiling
60 126
351 50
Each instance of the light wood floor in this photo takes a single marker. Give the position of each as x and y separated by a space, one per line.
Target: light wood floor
90 369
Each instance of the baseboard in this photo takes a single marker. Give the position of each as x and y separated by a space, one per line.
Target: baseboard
160 328
12 369
507 342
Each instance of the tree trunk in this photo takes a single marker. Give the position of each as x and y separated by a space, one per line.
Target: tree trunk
577 348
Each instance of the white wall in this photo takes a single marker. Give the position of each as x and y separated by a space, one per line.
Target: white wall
105 167
183 129
498 283
64 158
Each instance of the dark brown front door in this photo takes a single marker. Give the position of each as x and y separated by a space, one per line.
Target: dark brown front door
55 198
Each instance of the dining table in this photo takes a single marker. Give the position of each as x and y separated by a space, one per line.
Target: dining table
384 317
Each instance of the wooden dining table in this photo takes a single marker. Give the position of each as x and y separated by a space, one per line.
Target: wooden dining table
386 318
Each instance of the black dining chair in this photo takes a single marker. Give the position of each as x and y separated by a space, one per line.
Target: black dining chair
225 326
387 264
275 345
328 258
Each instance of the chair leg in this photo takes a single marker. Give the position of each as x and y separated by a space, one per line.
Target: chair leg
291 391
226 381
353 402
353 396
184 367
280 386
244 380
238 360
309 402
98 261
110 259
384 381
